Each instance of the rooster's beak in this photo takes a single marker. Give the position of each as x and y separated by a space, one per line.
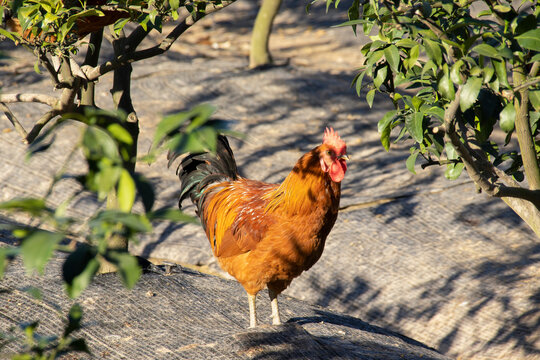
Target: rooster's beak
344 157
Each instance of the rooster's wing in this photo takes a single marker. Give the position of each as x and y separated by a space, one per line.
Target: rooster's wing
234 216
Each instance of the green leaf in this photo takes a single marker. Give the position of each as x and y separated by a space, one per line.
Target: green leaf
523 23
406 43
534 98
85 13
36 67
7 34
530 40
417 102
200 115
120 133
169 125
534 58
429 66
32 206
98 144
37 248
358 82
119 25
505 52
433 50
172 124
126 191
469 93
381 76
128 267
411 161
175 4
386 121
500 70
507 118
134 222
192 142
79 269
412 57
487 50
503 8
353 12
436 112
534 119
453 170
167 213
455 72
385 138
488 74
207 136
105 179
451 153
370 96
446 86
391 54
414 125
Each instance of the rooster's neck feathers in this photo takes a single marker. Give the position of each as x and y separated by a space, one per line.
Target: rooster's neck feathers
305 185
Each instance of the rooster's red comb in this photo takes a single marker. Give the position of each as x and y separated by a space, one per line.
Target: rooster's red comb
331 137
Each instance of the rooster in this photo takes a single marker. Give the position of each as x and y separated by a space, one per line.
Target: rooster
265 235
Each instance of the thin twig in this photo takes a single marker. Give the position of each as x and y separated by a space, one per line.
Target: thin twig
527 84
136 37
534 69
13 119
49 66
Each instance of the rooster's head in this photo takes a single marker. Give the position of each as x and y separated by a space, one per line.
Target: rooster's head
333 155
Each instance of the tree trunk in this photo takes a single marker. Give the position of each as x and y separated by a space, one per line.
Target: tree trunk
259 54
91 59
121 94
523 131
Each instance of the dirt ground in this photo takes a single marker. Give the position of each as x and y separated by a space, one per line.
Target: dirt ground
423 256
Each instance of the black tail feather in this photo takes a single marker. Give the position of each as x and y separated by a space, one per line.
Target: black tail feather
197 171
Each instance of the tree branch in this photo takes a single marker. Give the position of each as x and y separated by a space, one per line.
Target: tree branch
48 116
449 120
166 43
87 96
523 130
521 193
490 188
37 98
11 117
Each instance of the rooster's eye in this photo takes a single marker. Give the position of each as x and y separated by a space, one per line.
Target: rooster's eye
330 153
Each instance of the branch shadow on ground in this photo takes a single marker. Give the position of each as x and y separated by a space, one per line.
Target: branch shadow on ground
486 285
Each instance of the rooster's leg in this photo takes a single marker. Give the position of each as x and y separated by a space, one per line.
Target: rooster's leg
252 311
275 309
